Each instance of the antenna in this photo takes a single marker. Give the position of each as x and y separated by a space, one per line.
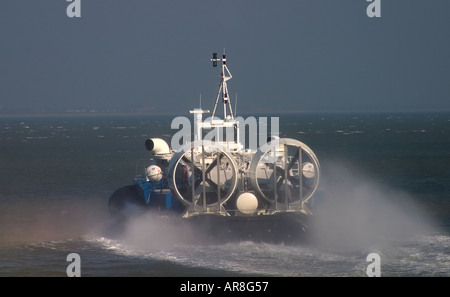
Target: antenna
225 75
235 106
214 59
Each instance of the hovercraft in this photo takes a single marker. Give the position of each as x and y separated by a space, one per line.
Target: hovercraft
227 190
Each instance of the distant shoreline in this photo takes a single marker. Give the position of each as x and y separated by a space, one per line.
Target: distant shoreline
277 113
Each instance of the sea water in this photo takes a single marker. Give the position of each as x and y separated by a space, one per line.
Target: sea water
384 188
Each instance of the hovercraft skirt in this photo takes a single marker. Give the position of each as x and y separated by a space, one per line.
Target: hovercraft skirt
283 227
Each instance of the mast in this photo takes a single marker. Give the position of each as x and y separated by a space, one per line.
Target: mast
229 125
225 76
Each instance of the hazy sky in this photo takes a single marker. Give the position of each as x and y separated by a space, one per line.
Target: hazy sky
297 55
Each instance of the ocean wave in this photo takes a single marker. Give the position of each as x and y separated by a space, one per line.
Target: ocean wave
428 256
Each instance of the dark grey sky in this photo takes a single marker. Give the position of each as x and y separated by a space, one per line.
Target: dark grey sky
298 55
